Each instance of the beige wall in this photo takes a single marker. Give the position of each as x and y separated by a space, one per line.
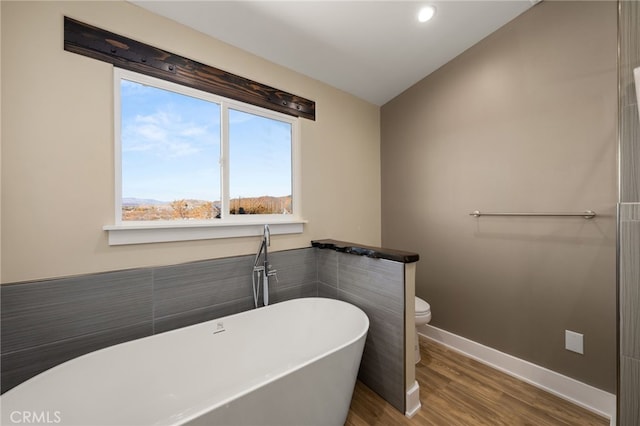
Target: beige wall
523 121
57 146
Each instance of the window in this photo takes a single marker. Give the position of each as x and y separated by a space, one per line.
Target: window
259 164
189 159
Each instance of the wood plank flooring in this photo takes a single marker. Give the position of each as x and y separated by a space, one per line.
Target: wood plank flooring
456 390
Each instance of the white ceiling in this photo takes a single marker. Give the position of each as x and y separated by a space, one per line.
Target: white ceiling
372 49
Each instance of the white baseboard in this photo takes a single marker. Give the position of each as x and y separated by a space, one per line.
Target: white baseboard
586 396
413 400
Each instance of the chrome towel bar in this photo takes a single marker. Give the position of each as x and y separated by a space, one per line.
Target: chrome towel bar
589 214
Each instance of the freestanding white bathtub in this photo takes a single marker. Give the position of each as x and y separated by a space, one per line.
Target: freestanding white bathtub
291 363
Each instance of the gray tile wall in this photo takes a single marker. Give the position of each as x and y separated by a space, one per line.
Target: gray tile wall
629 404
629 238
45 323
377 287
629 58
201 291
295 277
629 280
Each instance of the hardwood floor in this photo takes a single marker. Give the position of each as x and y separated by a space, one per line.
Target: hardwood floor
456 390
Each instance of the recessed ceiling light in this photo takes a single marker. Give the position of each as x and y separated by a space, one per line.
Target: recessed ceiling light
426 13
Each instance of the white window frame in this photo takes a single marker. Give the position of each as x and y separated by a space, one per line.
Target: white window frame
228 226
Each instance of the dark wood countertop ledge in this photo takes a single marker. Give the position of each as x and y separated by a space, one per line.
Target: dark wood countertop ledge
374 252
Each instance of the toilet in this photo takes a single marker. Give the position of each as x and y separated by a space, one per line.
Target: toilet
423 316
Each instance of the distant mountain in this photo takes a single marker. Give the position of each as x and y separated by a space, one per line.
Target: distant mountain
151 209
133 202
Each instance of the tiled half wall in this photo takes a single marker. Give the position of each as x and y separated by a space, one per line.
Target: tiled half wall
377 287
45 323
629 287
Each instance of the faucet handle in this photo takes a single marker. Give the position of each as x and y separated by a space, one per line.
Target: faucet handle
273 273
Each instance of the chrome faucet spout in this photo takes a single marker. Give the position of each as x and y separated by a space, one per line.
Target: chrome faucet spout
264 271
266 242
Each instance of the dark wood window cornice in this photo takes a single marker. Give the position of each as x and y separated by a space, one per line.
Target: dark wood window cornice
129 54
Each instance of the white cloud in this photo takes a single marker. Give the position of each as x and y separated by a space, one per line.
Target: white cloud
182 149
166 133
151 132
194 131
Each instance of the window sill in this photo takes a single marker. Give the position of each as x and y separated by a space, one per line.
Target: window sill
162 232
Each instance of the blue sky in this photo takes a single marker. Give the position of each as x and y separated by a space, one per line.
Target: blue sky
171 148
260 156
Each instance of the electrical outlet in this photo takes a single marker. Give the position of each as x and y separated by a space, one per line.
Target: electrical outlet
574 341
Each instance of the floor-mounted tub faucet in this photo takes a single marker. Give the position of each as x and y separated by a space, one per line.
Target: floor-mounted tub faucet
263 272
